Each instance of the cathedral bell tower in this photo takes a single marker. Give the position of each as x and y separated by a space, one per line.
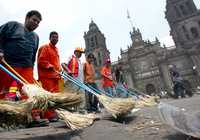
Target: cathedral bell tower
136 37
184 20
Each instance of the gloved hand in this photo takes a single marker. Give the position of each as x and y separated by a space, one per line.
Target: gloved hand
50 67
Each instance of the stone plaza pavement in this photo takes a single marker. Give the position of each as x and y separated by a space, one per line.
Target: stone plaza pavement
142 125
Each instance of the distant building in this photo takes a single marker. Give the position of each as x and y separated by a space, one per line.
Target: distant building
146 63
95 43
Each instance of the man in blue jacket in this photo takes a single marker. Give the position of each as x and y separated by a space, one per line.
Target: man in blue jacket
18 47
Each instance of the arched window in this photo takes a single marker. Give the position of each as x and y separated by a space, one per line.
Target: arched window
185 32
194 32
92 42
96 42
183 9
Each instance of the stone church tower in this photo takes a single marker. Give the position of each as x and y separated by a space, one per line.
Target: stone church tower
95 43
184 20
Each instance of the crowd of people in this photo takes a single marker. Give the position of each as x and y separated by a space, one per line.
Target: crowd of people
19 45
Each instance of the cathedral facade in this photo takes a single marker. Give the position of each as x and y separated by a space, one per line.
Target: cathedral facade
145 63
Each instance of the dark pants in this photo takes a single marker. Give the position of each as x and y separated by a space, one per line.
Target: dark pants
179 90
91 100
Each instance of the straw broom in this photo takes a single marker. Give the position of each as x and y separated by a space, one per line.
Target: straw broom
147 101
143 100
13 114
116 106
76 121
42 99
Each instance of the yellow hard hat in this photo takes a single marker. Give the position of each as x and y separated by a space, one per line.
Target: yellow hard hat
79 49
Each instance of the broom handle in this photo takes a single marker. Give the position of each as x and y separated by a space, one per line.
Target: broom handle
14 71
131 94
66 76
134 94
88 86
11 74
139 92
99 91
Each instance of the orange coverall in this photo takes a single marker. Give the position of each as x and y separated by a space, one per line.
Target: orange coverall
48 64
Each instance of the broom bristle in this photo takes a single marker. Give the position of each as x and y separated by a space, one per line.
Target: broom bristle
13 114
76 121
117 106
42 98
146 102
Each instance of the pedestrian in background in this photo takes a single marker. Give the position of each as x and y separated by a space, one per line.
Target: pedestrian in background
107 79
73 66
89 80
178 85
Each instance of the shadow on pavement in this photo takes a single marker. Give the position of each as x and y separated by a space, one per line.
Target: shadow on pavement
180 136
123 120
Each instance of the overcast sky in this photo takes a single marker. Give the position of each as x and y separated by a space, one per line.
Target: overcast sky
70 18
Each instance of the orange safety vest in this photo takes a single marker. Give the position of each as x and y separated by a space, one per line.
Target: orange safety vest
73 66
106 82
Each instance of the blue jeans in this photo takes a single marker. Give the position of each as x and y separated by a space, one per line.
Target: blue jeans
109 90
91 100
179 90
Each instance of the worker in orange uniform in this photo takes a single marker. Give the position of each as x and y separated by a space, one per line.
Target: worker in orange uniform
74 66
48 66
89 80
107 78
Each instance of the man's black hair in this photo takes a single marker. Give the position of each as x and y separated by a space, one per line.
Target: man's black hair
53 33
34 12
